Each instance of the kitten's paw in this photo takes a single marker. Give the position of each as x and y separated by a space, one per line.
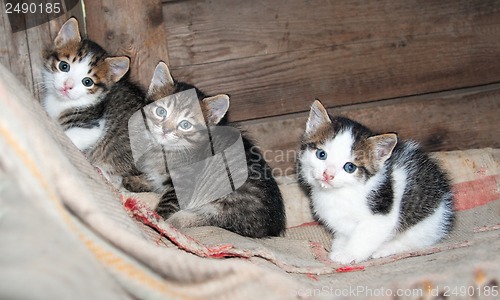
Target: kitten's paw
342 257
380 254
183 219
389 249
339 241
136 183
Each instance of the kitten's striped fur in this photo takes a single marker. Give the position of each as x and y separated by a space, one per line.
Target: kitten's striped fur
94 117
255 209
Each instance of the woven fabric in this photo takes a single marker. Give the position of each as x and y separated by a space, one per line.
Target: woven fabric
65 233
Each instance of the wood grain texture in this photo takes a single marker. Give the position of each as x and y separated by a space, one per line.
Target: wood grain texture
21 51
5 39
133 28
453 120
230 29
275 57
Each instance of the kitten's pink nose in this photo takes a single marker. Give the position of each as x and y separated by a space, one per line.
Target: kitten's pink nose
68 84
327 176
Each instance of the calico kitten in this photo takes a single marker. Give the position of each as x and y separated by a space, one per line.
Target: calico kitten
255 209
379 195
87 92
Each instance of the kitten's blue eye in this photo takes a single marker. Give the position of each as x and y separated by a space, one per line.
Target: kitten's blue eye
63 66
88 82
161 112
185 125
321 154
350 167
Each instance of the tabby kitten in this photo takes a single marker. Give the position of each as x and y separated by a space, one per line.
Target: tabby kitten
379 195
255 209
88 94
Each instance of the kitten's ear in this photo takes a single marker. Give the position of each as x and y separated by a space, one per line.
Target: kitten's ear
217 107
161 78
382 145
318 116
69 32
118 66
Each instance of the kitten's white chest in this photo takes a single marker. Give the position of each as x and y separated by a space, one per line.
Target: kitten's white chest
83 138
54 105
86 138
342 209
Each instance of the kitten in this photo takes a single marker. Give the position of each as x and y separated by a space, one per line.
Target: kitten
87 92
379 195
255 209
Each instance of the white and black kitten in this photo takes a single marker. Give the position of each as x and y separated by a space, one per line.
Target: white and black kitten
379 195
254 209
87 92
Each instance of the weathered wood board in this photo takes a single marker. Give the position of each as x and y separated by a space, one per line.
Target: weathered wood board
132 28
274 57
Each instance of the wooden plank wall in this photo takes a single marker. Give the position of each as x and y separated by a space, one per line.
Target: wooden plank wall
384 63
21 51
132 28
